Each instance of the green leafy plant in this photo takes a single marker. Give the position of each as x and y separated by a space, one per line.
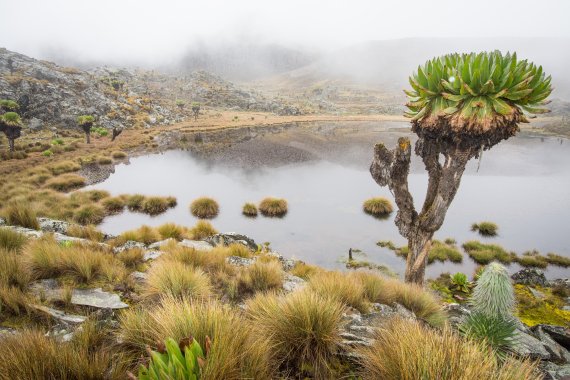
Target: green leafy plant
460 282
476 92
9 105
183 360
499 333
494 295
99 131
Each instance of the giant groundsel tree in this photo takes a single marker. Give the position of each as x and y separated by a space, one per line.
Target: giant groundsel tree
459 105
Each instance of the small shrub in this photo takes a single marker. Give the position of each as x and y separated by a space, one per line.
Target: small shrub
202 230
493 295
89 214
47 153
302 328
21 214
404 349
204 208
174 360
57 141
273 207
119 155
485 228
249 209
114 205
66 182
11 240
485 253
177 280
343 288
379 207
460 282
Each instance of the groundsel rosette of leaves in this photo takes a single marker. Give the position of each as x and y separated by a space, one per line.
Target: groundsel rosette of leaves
171 360
476 92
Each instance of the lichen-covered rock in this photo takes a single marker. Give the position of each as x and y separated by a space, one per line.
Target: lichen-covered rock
239 261
151 255
526 345
554 371
456 313
52 225
158 244
292 283
559 353
559 333
287 264
28 232
530 276
231 238
196 244
129 245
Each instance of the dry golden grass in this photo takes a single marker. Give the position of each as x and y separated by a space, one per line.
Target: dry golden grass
89 214
212 262
273 207
234 353
13 301
157 205
13 271
66 182
172 231
202 230
204 208
89 232
341 287
21 214
11 240
379 207
303 329
144 234
172 278
64 167
249 209
131 257
261 277
404 349
30 355
114 205
119 155
304 271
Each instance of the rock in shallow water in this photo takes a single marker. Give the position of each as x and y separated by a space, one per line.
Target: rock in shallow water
530 276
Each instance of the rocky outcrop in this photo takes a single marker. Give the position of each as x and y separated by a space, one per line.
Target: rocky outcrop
97 298
232 238
530 276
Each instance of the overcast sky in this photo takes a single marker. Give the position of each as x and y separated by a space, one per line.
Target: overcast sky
156 31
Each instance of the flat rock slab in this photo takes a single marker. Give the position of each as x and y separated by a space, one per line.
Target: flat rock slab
159 244
60 315
527 345
198 245
97 298
152 255
129 245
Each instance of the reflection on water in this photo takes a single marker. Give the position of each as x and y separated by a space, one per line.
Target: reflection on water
522 185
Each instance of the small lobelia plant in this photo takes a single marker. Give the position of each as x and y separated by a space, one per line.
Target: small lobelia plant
492 304
183 360
494 294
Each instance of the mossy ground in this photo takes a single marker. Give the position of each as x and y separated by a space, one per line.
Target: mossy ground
533 311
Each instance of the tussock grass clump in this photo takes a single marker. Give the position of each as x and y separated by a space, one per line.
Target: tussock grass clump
202 230
304 271
32 355
89 214
234 354
443 252
64 167
114 205
261 277
344 288
273 207
144 234
404 349
135 202
532 259
303 329
212 262
66 182
413 297
89 232
13 271
171 231
485 253
204 208
13 301
485 228
379 207
21 214
119 155
11 240
104 161
47 259
176 279
387 244
90 195
155 205
249 209
558 260
131 257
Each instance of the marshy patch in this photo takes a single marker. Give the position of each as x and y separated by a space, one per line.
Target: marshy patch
273 207
204 208
485 253
487 229
378 207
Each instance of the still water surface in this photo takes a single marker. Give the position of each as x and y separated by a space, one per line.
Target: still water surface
522 184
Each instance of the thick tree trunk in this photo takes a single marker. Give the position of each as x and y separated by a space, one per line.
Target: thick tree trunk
391 168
